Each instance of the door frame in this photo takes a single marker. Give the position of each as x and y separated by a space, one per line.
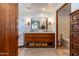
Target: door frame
57 22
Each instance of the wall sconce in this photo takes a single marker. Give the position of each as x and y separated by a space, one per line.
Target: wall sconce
49 23
28 23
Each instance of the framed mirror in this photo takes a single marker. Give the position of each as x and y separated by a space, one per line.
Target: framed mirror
39 23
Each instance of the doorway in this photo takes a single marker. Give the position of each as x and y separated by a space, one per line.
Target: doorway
9 15
31 10
63 26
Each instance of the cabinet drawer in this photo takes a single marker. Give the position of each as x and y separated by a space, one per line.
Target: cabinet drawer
75 47
75 37
47 35
75 17
29 35
75 22
75 27
39 37
48 39
29 39
74 53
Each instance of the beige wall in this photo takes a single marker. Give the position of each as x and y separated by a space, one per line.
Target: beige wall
74 7
64 23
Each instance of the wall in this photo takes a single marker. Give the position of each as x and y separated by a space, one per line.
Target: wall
21 27
24 28
51 28
74 6
25 17
64 22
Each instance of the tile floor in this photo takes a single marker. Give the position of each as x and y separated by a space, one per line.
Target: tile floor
43 52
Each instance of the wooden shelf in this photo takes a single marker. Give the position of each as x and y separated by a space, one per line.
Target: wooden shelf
49 45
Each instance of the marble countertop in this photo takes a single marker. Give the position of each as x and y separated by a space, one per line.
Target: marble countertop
39 32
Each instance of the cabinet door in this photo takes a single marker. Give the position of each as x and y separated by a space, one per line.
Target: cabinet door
8 29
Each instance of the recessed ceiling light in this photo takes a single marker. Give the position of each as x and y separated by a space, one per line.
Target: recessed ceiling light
29 8
43 8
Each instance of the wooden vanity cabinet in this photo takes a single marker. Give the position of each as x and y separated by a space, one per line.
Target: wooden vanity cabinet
74 33
40 38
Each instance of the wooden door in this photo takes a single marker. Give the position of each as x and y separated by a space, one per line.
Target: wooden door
8 29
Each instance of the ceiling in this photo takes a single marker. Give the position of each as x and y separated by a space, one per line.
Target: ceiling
38 8
66 10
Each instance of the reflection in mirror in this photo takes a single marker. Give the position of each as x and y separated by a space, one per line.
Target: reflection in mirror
35 24
39 23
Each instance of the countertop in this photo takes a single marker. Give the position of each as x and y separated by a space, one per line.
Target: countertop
39 32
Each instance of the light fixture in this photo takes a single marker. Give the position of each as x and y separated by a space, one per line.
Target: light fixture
28 23
49 23
28 8
43 8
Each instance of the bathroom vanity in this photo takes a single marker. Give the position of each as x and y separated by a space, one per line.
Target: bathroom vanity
40 39
40 33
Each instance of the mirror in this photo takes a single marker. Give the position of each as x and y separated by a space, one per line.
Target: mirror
39 23
35 24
